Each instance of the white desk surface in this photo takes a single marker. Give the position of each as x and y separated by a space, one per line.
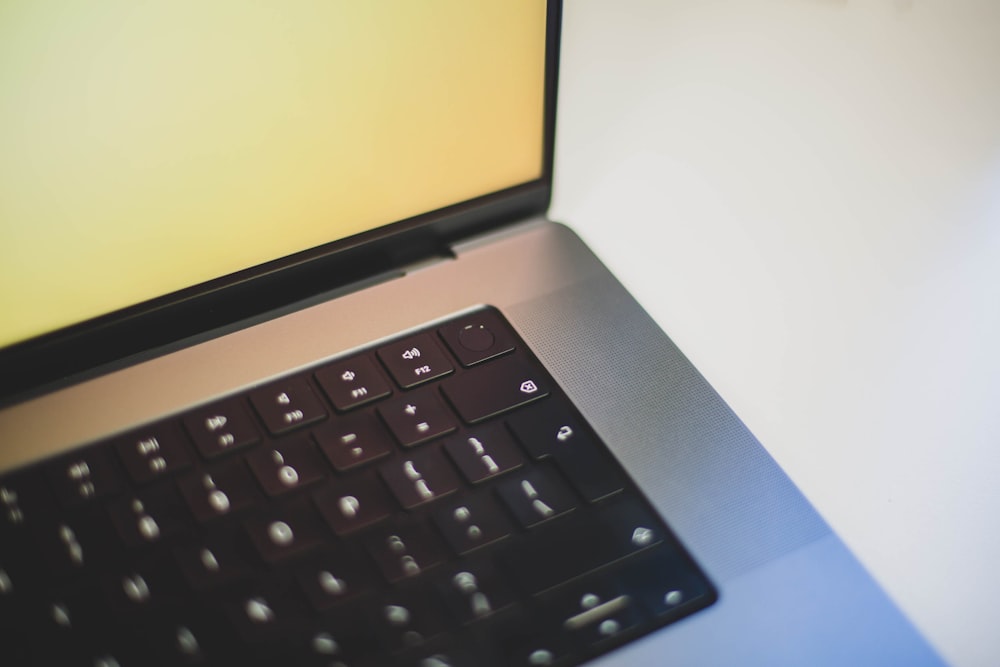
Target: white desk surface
806 195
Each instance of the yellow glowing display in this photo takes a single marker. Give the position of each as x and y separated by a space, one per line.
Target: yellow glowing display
149 146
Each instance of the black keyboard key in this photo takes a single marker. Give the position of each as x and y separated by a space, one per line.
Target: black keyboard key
64 547
212 563
19 581
261 615
287 466
11 582
285 531
484 453
536 496
477 337
419 478
355 504
474 590
137 589
154 452
333 577
220 428
417 417
136 524
287 404
353 441
69 548
341 637
93 618
353 382
549 429
58 627
495 388
409 619
111 646
666 583
544 428
580 544
185 638
149 517
471 523
590 471
531 640
220 492
86 475
594 610
404 550
415 360
24 499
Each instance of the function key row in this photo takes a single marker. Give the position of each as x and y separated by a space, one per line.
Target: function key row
414 417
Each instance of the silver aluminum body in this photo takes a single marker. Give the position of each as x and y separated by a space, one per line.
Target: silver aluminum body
790 592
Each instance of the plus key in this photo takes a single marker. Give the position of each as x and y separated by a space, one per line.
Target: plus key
417 417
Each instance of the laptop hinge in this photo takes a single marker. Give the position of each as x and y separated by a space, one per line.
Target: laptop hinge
465 245
427 263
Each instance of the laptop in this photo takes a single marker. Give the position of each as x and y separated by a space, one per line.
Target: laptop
295 369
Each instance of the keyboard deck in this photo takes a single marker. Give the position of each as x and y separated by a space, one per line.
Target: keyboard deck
431 501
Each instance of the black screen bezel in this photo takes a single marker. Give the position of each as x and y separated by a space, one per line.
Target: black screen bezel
106 342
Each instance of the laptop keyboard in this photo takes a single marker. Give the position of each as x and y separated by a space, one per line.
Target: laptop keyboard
432 501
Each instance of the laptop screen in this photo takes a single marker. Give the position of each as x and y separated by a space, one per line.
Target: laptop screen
148 147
